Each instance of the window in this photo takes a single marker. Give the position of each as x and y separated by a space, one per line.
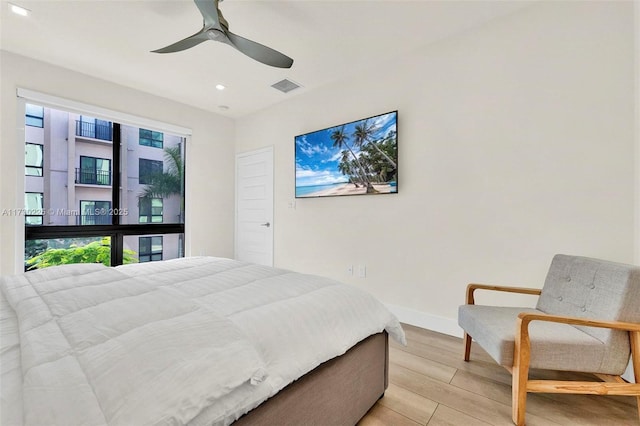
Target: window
33 155
150 210
34 208
148 168
94 171
95 213
98 214
34 116
149 249
151 138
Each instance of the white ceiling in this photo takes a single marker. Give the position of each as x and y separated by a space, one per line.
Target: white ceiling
329 40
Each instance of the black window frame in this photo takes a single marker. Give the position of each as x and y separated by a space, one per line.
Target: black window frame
29 166
116 231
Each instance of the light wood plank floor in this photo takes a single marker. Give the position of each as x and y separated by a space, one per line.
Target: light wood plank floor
430 384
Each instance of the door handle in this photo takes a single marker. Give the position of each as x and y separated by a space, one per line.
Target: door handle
265 224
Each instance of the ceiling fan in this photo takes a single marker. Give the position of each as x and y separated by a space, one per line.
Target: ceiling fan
216 28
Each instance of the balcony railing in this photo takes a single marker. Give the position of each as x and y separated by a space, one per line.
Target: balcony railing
93 177
92 130
93 219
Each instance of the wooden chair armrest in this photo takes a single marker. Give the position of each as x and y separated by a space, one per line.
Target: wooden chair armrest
471 288
521 384
525 318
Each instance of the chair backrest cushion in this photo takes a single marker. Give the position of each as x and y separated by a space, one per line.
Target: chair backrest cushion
592 288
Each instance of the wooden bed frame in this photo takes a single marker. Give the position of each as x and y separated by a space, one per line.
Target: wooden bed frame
338 392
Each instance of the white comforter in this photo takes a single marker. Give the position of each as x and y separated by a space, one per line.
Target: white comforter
195 340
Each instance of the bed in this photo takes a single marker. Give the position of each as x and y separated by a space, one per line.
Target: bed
198 341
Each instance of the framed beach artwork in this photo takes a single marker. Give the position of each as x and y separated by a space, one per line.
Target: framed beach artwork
356 158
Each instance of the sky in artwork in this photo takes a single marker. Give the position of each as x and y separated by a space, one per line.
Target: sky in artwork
317 159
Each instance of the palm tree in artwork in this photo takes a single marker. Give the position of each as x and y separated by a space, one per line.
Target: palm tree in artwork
340 138
363 134
346 169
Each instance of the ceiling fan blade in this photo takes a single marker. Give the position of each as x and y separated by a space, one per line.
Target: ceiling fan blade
259 52
209 11
188 42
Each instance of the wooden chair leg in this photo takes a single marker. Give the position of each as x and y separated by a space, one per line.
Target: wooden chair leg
519 395
520 374
634 337
467 347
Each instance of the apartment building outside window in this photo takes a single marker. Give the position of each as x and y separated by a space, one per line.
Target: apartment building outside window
35 116
150 210
33 157
95 213
147 168
150 249
34 208
151 138
110 196
94 171
89 127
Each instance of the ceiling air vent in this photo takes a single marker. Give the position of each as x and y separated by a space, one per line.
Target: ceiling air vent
285 86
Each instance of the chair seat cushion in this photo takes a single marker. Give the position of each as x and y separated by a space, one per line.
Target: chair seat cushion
554 346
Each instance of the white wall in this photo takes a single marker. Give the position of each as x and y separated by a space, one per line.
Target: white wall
210 153
516 142
636 21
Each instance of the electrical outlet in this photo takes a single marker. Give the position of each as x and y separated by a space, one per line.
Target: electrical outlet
362 271
292 204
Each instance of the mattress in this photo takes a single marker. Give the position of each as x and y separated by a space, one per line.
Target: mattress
10 366
196 341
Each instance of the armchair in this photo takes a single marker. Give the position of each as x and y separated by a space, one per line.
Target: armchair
587 319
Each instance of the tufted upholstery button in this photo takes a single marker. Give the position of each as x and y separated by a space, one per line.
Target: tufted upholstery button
568 279
592 286
560 298
584 308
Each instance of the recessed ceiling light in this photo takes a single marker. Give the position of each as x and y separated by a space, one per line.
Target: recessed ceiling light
220 87
18 10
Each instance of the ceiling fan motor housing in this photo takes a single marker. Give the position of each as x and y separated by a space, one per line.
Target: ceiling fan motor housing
215 35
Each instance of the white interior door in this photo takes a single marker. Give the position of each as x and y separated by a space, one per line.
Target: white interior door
254 207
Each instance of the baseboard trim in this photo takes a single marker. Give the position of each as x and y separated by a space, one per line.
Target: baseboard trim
425 320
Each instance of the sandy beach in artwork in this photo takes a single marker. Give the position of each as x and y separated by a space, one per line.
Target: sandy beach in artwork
350 189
